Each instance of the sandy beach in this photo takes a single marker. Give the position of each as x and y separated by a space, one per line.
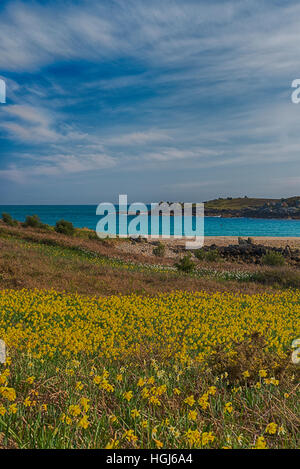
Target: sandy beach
292 242
280 242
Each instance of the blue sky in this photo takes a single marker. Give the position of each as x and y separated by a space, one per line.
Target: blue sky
159 100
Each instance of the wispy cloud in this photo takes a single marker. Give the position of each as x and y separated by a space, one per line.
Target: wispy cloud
173 87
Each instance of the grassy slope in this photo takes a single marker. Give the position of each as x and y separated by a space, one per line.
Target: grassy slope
62 266
31 258
240 203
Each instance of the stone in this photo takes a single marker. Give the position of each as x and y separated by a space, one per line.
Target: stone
2 352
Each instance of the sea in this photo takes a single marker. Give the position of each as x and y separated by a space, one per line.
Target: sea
84 216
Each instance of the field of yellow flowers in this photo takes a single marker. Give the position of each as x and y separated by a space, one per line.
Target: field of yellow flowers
180 370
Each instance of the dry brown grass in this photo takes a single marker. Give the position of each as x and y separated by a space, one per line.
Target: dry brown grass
28 267
31 268
24 265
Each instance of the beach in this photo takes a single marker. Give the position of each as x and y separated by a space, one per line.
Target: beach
276 242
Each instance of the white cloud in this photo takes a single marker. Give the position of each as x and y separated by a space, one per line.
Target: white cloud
138 138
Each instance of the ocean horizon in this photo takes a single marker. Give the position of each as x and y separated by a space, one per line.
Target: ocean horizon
84 216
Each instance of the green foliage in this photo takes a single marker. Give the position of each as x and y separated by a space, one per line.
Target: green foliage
272 258
185 264
280 277
159 250
200 254
33 221
7 218
65 227
210 256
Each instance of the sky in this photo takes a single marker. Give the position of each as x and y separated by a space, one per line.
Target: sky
160 100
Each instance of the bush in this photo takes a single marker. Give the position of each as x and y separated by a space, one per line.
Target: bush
212 255
65 227
33 221
200 254
185 264
250 355
7 218
159 250
272 258
45 226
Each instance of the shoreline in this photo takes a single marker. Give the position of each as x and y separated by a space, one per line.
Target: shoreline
271 241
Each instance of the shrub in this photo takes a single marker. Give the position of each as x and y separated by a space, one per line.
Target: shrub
185 264
46 227
159 250
7 218
93 235
33 221
212 255
200 254
250 355
272 258
65 227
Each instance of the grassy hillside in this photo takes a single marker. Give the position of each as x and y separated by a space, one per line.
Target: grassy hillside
245 202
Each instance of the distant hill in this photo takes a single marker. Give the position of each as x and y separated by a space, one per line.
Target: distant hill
254 207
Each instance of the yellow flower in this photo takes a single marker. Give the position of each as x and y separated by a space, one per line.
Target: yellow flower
158 443
128 395
2 410
141 382
8 393
246 374
260 443
74 410
119 377
262 373
13 409
97 379
30 379
112 444
84 422
79 385
154 400
212 390
228 407
206 438
177 391
192 415
135 413
271 428
190 401
28 402
130 436
203 401
84 402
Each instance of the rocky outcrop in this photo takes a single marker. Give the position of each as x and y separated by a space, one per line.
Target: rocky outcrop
247 251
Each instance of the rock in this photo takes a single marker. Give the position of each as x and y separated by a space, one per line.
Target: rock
2 352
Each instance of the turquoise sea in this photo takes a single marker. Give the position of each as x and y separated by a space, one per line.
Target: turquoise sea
85 216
